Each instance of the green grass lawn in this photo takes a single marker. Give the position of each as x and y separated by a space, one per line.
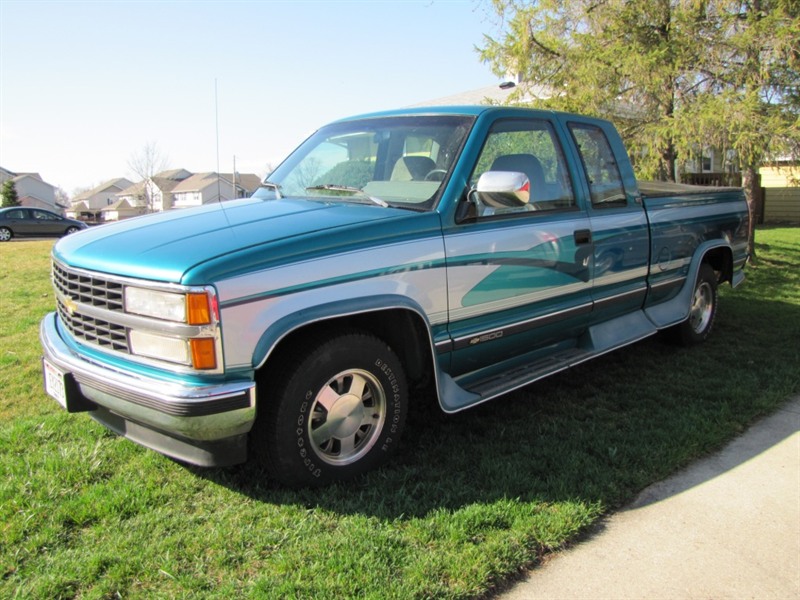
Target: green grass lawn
469 500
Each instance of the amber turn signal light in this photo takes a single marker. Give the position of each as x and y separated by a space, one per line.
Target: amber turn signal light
197 309
204 353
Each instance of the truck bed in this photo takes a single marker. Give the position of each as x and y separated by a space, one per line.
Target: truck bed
660 189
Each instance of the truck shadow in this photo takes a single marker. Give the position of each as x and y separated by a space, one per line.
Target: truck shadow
596 434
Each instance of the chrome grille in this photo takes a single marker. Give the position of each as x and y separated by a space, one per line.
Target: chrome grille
87 289
94 331
81 288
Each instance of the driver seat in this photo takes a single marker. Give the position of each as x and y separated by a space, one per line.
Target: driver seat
412 168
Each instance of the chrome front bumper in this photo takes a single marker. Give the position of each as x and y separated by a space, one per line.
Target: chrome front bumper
201 424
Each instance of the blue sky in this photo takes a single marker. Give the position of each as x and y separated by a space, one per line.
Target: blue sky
85 85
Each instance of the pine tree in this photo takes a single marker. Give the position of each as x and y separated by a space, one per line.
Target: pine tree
9 193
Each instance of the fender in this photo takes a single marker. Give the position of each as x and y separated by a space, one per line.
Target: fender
284 326
676 310
450 395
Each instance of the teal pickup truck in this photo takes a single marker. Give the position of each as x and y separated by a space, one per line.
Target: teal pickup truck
463 251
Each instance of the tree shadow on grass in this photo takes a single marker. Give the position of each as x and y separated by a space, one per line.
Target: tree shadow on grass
596 434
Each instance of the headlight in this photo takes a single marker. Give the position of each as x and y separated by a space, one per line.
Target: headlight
161 347
193 308
152 303
194 342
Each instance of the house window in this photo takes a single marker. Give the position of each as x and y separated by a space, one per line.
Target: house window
707 161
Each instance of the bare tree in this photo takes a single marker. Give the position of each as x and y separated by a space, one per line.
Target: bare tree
145 164
306 173
62 198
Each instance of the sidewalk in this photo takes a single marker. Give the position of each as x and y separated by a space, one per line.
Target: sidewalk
726 527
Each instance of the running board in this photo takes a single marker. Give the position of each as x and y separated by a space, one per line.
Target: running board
596 341
525 374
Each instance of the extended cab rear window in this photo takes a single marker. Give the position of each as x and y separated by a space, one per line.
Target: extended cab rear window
600 165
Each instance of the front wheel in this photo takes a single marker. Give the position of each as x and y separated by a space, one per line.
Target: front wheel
70 230
703 310
331 412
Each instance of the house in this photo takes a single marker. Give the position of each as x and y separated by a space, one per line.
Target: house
245 184
121 209
134 195
161 185
159 190
88 205
80 210
104 194
780 173
32 190
780 180
155 193
203 188
490 94
176 174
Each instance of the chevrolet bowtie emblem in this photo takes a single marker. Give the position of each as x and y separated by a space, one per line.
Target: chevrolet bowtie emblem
70 305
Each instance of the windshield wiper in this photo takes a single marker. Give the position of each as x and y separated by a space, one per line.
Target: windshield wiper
346 188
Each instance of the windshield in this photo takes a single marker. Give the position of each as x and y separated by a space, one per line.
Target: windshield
395 161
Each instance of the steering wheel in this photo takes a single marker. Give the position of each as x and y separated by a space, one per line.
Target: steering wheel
436 175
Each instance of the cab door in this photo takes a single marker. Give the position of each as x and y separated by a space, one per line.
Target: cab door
620 233
16 219
519 277
45 223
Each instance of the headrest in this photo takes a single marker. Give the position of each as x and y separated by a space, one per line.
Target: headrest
521 163
412 168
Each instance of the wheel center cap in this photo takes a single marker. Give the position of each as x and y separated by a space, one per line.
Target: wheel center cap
346 416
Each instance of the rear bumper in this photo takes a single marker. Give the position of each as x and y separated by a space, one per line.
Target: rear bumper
203 424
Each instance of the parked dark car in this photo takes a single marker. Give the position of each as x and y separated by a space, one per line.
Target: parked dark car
21 221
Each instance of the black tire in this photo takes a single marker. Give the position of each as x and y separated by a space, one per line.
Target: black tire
71 230
331 412
702 311
5 234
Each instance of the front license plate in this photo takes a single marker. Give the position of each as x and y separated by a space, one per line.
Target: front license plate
54 383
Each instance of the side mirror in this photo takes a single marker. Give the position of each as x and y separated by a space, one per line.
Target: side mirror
503 189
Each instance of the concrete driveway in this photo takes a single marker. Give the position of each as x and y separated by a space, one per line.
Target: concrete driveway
726 527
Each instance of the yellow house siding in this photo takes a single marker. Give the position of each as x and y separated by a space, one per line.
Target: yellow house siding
781 193
778 177
782 204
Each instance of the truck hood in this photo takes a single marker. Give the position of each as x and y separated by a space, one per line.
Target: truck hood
165 246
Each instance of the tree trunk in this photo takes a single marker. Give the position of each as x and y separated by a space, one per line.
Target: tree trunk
750 183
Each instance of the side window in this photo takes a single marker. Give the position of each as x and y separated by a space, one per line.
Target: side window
527 146
602 172
16 214
44 216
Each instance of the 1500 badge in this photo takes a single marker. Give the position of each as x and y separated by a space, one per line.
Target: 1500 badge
487 337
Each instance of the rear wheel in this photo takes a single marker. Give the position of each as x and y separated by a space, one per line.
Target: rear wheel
5 234
331 412
703 309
